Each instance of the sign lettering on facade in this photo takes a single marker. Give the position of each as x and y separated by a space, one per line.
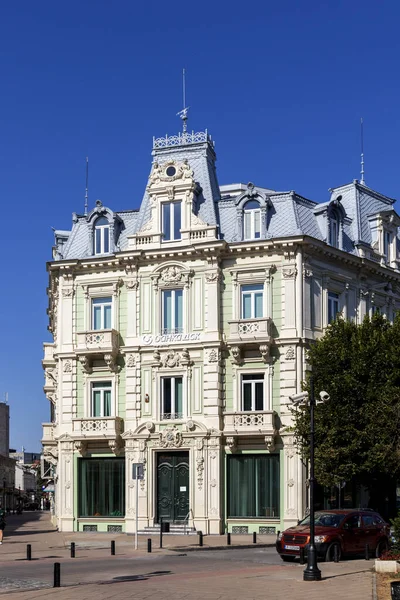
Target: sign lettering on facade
159 340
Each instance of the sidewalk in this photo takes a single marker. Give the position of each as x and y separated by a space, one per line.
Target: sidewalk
166 576
36 529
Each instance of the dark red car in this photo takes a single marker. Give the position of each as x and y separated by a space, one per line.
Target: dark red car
349 530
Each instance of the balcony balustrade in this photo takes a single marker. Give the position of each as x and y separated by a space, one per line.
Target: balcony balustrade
102 341
97 427
249 423
249 330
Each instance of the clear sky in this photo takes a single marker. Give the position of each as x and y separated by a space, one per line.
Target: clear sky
281 86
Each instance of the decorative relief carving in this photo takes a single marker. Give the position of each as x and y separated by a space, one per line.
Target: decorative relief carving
236 355
115 446
86 364
110 361
270 442
171 275
171 359
159 172
213 483
200 471
67 366
264 351
231 443
81 447
290 482
213 355
171 437
130 361
150 426
290 353
289 272
190 426
132 284
67 292
213 277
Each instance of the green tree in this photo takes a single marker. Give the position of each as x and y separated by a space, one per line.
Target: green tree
357 431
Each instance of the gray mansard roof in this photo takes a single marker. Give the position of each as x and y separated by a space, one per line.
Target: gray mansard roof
286 214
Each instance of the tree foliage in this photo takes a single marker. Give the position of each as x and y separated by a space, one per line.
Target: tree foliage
357 430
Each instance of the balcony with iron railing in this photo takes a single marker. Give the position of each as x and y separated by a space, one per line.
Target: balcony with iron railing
97 428
249 330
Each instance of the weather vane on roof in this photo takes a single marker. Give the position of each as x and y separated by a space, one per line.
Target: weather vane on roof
183 113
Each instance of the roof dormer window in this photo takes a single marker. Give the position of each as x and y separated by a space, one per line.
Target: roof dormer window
102 236
387 240
334 230
251 220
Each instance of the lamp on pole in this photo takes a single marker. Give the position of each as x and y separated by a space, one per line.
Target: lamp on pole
312 572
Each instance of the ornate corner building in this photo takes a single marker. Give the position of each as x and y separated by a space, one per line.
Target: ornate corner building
181 329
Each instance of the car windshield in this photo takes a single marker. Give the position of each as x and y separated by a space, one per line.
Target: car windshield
325 519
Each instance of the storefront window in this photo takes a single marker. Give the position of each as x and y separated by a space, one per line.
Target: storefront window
101 487
253 485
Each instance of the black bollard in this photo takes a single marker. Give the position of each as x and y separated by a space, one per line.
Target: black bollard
228 539
72 549
302 557
57 575
160 533
149 545
366 552
28 552
112 548
254 537
336 553
200 538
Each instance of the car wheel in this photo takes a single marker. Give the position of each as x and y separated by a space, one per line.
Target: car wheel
330 552
382 547
287 558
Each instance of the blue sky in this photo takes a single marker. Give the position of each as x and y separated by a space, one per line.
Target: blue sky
281 86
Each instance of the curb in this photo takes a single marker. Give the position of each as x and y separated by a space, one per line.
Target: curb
208 548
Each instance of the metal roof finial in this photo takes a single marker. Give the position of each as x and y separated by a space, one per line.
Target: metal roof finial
183 113
362 151
87 189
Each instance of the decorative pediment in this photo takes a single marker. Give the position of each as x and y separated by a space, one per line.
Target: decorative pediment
169 172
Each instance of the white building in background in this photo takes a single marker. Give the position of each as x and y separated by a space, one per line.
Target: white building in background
179 332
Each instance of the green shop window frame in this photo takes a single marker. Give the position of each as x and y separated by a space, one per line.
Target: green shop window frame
253 486
101 487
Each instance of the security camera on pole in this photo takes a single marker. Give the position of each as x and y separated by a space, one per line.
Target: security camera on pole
311 572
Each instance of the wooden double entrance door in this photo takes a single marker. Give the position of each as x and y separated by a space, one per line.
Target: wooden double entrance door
172 486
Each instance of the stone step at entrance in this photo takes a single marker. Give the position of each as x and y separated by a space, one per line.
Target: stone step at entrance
174 529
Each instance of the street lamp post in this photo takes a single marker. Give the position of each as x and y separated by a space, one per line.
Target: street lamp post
312 572
4 493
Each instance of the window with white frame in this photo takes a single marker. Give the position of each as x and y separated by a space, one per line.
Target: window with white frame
251 220
172 311
333 306
386 244
101 399
252 301
252 392
102 313
171 398
102 236
171 221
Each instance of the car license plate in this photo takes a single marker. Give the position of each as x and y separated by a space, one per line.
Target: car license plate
292 547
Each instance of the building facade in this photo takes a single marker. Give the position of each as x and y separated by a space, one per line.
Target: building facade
181 329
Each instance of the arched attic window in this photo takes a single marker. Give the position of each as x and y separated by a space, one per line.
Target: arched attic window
336 216
101 236
251 220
